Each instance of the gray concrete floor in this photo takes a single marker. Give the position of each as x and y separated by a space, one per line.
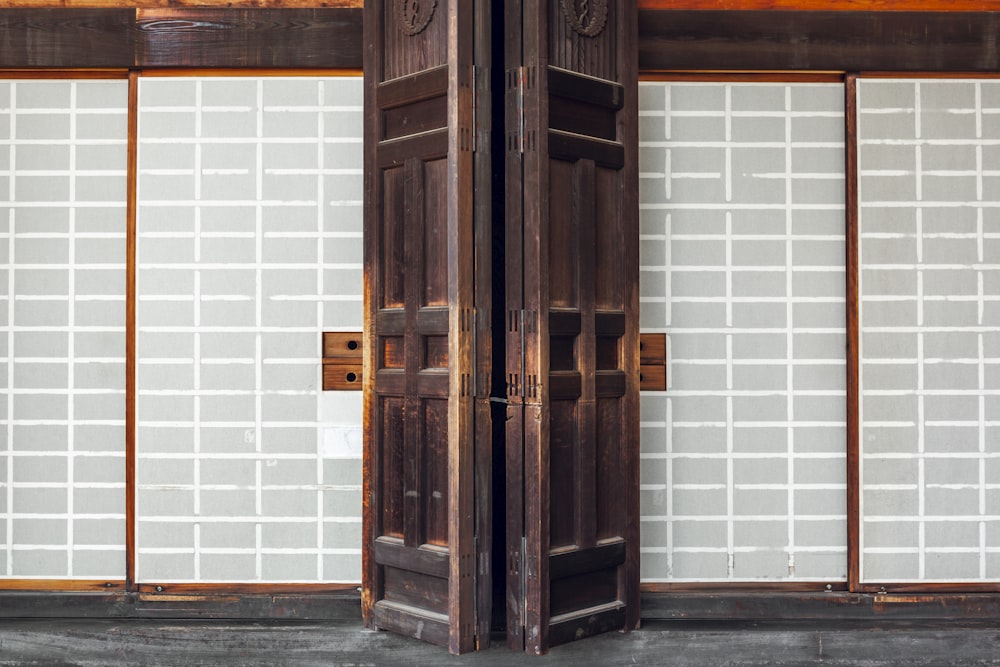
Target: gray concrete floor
145 642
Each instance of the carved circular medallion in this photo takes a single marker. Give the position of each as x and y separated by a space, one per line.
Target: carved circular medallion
586 17
412 16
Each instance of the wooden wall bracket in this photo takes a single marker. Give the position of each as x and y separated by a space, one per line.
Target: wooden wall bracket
342 360
653 362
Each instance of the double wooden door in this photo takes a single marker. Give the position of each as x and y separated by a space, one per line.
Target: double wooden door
501 369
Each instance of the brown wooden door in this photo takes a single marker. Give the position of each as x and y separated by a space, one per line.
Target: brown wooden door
420 309
572 339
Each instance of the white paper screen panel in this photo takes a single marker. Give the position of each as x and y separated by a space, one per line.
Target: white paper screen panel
63 158
249 246
743 266
929 157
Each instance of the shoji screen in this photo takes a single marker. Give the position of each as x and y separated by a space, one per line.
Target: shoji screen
743 266
249 246
62 314
929 160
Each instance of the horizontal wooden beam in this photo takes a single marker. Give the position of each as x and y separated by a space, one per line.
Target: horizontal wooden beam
818 40
185 4
670 40
695 5
181 38
824 5
67 38
294 38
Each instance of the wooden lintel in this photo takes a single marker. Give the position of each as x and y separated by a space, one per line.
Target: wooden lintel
688 35
242 38
852 41
686 5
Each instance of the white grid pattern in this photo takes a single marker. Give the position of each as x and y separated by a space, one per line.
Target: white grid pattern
62 182
930 329
249 247
742 236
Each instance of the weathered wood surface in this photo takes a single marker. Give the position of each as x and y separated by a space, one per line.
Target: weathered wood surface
843 41
757 35
211 38
305 644
762 606
704 5
420 232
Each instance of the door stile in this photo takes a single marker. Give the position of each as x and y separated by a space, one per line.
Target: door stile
461 325
627 231
535 326
483 325
513 321
371 505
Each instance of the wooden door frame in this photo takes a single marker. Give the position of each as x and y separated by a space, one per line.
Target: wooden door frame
759 35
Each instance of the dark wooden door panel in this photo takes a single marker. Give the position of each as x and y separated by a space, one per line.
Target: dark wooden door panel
420 247
576 348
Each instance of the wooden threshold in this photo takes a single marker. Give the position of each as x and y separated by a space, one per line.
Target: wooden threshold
62 585
237 589
744 587
831 606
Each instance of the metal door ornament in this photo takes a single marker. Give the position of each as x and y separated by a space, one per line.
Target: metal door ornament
413 16
586 17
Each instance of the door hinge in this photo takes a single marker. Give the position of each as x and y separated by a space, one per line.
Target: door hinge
521 74
524 584
475 110
516 79
518 324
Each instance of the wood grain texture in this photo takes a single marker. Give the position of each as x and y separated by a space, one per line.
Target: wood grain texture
577 332
419 257
824 5
212 38
248 38
61 585
818 40
191 4
704 5
67 38
755 35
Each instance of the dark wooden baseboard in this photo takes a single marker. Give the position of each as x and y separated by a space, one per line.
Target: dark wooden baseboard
208 606
834 606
